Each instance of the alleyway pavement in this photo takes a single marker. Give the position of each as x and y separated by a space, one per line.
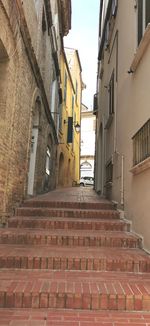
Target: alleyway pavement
67 258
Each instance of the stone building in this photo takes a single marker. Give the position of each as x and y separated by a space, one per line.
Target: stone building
87 157
29 91
69 123
123 114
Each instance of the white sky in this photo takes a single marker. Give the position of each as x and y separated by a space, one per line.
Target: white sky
84 37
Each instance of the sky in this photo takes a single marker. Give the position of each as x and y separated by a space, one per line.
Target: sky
84 37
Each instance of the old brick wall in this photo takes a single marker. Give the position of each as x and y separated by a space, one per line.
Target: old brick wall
17 87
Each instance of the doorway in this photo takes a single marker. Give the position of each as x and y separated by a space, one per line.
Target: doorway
33 148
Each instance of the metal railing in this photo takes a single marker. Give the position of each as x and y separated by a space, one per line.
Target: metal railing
141 144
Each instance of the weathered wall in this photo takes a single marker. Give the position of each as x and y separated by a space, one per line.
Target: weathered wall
20 91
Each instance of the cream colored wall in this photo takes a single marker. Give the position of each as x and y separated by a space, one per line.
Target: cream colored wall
131 112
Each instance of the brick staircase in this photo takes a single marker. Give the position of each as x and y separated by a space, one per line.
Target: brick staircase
72 262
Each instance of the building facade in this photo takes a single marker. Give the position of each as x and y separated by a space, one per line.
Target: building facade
69 133
122 109
88 123
29 68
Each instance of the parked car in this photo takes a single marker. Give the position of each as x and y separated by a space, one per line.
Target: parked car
87 181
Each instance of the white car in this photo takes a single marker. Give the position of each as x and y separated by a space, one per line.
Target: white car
87 181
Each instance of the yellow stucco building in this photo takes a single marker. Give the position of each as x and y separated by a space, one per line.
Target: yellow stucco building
69 119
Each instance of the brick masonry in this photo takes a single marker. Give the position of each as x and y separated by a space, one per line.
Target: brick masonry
18 94
49 263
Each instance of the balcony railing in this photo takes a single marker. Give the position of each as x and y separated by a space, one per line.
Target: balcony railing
141 144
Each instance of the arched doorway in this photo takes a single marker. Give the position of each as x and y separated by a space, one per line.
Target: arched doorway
61 170
33 148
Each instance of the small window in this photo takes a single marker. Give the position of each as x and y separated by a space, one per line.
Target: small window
48 161
111 94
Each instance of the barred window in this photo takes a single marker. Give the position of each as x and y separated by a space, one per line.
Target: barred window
141 144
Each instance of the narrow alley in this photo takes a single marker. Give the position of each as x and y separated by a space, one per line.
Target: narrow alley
74 163
66 258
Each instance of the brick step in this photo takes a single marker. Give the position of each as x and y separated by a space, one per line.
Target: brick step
91 290
102 259
68 212
69 223
68 204
70 238
60 317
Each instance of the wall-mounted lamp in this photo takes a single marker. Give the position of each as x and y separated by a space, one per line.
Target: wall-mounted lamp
76 125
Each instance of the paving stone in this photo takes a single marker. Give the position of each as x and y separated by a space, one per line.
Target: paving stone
70 250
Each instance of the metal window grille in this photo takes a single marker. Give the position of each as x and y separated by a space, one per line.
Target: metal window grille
141 144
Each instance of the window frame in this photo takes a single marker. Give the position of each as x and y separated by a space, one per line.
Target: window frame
142 19
48 161
112 94
141 144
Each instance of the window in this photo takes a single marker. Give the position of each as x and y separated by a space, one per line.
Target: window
143 17
70 130
141 144
111 94
109 172
76 91
95 103
48 158
110 22
65 88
